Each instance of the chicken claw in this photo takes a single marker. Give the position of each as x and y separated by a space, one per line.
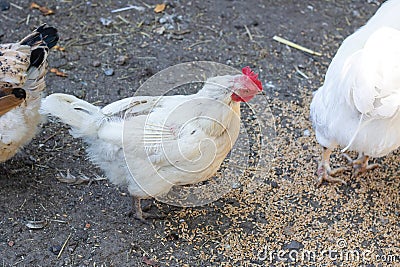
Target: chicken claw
360 165
137 212
325 173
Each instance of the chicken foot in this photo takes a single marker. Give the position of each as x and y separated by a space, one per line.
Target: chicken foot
360 165
325 173
137 211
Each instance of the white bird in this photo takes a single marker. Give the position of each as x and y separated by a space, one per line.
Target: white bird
161 141
357 108
23 67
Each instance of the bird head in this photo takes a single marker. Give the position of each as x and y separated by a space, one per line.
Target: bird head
245 86
237 88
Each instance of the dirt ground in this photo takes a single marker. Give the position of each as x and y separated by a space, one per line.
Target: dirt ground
285 216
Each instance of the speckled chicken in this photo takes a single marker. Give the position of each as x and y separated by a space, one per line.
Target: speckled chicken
357 108
23 67
161 141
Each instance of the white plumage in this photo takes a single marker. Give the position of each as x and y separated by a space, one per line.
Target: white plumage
357 108
150 144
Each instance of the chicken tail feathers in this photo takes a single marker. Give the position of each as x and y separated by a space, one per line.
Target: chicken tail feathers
41 40
37 57
83 117
44 36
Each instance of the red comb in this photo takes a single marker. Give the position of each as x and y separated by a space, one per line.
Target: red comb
253 76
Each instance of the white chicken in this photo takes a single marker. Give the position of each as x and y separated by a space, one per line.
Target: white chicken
357 108
161 141
23 67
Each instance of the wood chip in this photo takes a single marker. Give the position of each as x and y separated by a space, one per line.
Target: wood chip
58 73
45 10
296 46
160 8
59 48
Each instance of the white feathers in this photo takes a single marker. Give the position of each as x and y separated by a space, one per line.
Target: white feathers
358 105
377 74
151 143
83 117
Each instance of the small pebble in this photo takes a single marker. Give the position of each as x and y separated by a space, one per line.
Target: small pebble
160 30
55 249
274 184
106 21
109 72
4 5
163 20
307 132
270 85
96 63
278 171
236 185
169 26
315 204
167 18
356 13
121 60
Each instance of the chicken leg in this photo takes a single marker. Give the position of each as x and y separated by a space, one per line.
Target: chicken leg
360 165
325 173
137 211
